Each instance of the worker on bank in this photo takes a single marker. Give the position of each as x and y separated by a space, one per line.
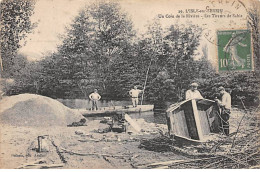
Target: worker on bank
193 92
94 97
134 93
225 110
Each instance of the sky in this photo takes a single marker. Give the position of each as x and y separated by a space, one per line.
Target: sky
54 15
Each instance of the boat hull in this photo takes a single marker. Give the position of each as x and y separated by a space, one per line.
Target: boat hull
110 111
193 120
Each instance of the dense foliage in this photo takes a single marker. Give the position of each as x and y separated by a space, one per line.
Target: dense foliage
100 50
15 25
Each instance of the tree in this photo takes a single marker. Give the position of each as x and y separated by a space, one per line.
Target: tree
113 34
253 22
176 65
97 38
138 63
15 25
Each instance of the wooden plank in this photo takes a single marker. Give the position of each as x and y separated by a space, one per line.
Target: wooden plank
180 124
175 106
204 110
172 124
204 122
190 120
41 166
169 122
197 119
176 123
187 141
162 167
132 123
184 125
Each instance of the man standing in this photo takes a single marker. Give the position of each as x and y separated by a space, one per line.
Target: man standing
134 93
94 97
225 110
193 93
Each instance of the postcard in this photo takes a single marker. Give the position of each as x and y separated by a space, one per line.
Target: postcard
129 84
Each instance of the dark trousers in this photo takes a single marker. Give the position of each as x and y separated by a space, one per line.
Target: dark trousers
224 124
94 105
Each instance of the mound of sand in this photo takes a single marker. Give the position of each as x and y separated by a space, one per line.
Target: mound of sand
35 110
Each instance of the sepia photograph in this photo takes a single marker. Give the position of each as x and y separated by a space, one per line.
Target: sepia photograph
129 84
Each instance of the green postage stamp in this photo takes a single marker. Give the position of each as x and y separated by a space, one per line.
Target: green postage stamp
234 50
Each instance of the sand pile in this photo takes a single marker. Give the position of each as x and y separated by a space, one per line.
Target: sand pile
35 110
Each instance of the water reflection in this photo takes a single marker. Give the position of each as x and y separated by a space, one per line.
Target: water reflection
156 116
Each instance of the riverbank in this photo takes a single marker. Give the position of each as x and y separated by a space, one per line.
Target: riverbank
90 146
86 147
80 147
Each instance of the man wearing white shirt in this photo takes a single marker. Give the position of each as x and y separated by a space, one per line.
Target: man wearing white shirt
225 109
134 93
193 93
94 97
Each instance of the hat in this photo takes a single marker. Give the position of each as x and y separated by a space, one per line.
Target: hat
194 84
221 88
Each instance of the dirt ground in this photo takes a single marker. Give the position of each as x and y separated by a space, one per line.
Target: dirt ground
79 147
84 147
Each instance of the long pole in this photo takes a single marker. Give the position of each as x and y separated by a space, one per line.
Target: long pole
146 77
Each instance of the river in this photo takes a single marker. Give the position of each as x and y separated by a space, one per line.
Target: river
156 116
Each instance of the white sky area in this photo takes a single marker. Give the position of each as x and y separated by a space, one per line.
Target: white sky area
53 15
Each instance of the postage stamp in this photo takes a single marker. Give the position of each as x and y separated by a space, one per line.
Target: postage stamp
234 50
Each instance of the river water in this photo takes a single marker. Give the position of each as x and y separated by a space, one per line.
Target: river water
156 116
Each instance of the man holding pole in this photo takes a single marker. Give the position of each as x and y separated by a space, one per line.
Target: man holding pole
134 93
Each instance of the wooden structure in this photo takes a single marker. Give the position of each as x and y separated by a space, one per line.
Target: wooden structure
43 145
110 111
192 120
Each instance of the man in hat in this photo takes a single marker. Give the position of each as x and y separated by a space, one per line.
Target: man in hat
134 93
94 97
193 93
225 110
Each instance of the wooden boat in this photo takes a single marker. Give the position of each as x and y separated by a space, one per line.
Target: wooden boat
109 111
193 120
